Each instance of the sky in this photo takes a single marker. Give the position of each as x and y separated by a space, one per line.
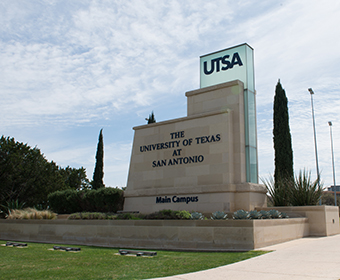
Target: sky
71 68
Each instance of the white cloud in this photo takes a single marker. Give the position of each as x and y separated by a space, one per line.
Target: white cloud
89 64
121 54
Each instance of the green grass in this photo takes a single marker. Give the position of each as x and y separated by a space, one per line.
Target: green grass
37 262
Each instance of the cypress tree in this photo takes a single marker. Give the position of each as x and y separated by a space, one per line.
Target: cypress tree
151 118
98 173
282 138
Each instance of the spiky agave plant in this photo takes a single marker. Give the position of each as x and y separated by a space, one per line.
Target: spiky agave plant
255 214
275 214
196 216
305 192
265 214
241 215
11 205
279 191
219 215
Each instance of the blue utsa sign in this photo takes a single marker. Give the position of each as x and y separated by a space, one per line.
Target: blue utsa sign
222 63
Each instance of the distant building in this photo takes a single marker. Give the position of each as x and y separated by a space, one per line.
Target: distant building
331 189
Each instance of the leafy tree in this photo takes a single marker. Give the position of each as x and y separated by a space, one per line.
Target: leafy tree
151 118
27 177
328 198
75 178
98 173
282 138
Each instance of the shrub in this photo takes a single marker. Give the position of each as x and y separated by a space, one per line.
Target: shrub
91 216
65 202
168 214
31 213
109 199
101 200
328 198
161 215
94 216
75 216
128 216
183 215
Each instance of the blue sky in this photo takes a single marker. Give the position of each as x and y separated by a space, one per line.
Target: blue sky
70 68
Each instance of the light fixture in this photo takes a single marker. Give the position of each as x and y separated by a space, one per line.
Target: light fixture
334 184
315 145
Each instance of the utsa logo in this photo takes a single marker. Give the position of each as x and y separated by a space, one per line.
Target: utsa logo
222 61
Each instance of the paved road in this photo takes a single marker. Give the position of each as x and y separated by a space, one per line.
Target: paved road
306 258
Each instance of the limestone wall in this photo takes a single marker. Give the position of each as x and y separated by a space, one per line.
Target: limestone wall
195 163
323 219
208 235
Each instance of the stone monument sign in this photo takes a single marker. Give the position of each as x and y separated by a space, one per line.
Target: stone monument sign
206 161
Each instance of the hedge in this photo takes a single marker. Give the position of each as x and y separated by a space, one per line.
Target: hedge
101 200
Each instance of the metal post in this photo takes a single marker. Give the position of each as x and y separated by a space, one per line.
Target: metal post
315 145
331 134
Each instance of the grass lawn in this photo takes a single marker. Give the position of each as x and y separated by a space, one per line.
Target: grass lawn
38 262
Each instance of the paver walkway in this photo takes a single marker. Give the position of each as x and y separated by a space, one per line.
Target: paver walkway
306 258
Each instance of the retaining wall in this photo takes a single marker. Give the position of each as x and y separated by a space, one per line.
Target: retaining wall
323 219
208 235
205 235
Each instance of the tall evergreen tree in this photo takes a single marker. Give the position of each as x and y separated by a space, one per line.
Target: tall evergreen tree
98 173
151 118
282 138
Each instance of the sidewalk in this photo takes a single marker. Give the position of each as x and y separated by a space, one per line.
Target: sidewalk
305 258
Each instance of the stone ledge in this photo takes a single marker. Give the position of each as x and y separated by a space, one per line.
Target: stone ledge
214 87
323 219
197 116
228 235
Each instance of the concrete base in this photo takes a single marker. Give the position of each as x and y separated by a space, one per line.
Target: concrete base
206 235
323 219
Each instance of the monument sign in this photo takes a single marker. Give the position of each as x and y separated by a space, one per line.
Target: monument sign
206 161
236 63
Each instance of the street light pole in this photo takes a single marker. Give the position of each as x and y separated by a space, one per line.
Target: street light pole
315 145
331 134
